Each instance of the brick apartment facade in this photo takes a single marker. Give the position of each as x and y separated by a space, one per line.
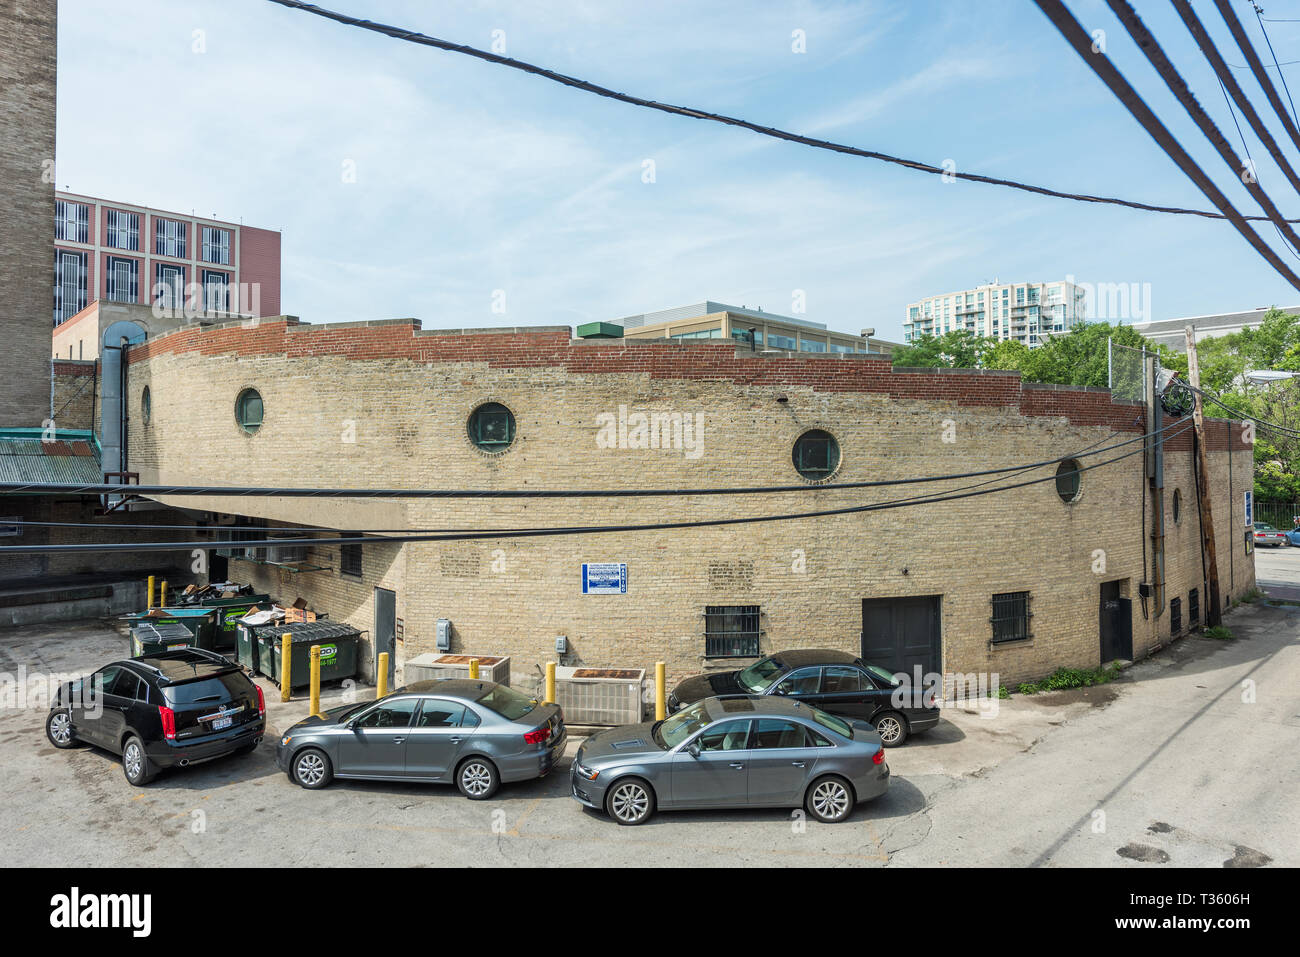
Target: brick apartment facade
391 405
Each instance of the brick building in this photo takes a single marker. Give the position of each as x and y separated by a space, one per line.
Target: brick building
1016 583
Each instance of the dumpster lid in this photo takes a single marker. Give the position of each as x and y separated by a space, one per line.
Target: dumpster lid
310 631
163 631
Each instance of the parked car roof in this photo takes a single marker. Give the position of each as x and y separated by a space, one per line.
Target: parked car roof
812 656
472 688
752 704
183 664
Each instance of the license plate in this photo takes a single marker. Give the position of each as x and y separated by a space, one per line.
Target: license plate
220 723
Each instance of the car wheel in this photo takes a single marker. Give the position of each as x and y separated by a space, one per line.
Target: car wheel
311 769
892 728
477 779
830 799
58 728
137 767
630 801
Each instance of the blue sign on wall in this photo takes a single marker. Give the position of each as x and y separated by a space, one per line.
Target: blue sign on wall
604 578
1250 510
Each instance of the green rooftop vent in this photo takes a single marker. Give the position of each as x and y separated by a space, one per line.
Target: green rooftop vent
600 330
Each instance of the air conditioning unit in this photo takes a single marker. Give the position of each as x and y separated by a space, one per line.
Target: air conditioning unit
607 696
283 554
430 667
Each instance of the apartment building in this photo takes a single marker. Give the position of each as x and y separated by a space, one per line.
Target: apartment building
1027 312
763 330
121 253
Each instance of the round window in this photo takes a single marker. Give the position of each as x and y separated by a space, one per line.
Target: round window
1178 505
492 427
816 455
1067 480
248 410
146 405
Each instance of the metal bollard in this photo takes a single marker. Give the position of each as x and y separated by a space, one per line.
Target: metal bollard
315 680
381 679
286 643
550 682
162 601
473 668
661 691
149 603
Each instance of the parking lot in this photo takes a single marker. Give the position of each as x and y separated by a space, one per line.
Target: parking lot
1019 787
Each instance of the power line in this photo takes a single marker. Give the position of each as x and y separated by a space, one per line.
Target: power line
401 33
1238 414
1280 75
72 488
577 530
1100 64
1156 56
1257 68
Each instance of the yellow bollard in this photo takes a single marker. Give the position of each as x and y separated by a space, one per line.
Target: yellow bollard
286 642
315 680
162 602
381 679
550 682
473 668
150 602
661 691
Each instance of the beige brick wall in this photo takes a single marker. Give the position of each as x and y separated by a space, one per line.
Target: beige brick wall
27 69
394 422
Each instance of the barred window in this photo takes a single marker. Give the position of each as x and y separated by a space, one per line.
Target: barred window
350 560
169 238
215 291
216 245
1193 607
1175 616
169 286
123 279
71 221
1011 616
69 284
731 631
122 229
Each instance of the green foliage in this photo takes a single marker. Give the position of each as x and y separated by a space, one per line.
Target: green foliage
952 350
1219 632
1063 678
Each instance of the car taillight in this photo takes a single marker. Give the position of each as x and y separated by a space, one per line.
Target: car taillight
168 722
538 736
878 757
261 702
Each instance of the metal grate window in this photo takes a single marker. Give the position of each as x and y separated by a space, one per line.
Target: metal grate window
169 286
122 229
215 291
169 238
122 279
1175 615
1011 616
71 221
69 284
350 560
216 245
1193 607
731 631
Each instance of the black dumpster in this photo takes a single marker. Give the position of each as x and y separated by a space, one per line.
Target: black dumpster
338 645
148 638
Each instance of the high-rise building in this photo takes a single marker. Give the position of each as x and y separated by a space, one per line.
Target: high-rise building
1027 312
119 252
27 70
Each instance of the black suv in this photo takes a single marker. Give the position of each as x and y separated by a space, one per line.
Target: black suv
833 681
171 709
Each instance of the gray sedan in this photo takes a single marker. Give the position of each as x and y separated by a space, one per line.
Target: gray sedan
475 733
732 751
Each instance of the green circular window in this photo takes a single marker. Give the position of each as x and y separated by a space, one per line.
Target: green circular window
492 427
816 455
248 410
1067 480
146 405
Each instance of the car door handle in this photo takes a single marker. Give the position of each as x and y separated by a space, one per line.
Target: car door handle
398 740
797 764
455 739
737 766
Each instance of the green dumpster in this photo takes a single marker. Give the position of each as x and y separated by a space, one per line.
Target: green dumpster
148 638
229 611
246 642
338 645
201 622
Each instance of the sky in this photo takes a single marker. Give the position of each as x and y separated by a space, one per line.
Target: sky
412 182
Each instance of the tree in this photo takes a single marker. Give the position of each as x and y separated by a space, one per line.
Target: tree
958 349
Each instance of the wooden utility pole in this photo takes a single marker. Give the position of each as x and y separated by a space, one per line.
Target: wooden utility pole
1213 610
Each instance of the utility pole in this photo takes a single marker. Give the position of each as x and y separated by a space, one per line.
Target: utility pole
1213 611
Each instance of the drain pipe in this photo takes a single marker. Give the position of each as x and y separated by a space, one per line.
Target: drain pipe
1156 480
113 402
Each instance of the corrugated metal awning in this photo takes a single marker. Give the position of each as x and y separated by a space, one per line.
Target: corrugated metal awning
27 458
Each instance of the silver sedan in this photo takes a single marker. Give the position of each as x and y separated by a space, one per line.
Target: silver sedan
474 733
730 752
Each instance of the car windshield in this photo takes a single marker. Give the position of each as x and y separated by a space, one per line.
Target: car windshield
837 725
757 677
886 676
507 702
221 688
673 731
1261 527
346 712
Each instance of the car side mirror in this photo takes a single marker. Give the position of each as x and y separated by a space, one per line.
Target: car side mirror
693 749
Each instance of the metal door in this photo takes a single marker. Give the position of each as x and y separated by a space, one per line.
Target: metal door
386 630
902 634
1115 624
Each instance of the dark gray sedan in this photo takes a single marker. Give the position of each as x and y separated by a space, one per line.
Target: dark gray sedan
475 733
730 752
